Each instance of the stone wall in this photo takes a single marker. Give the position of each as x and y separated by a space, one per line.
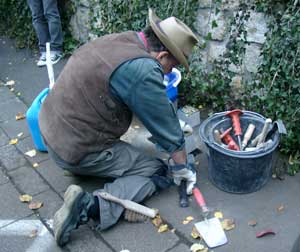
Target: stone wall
256 28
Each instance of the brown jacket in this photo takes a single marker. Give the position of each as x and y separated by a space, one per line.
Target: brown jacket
79 116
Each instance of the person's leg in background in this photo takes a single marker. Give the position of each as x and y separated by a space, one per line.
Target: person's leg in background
41 27
52 16
137 175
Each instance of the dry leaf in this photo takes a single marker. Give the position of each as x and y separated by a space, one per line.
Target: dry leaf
20 116
197 247
173 230
12 89
20 134
25 198
13 141
10 83
228 224
252 223
33 233
157 221
35 165
195 234
280 208
219 215
163 228
187 220
35 205
31 153
136 126
19 94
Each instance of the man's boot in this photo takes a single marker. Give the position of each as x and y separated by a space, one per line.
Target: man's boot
74 212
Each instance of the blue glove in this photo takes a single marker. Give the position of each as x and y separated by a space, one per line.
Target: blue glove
184 172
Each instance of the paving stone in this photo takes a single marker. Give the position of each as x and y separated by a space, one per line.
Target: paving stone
10 108
28 180
51 203
11 208
3 138
11 157
25 145
13 127
56 176
3 178
16 237
5 94
131 235
84 239
180 248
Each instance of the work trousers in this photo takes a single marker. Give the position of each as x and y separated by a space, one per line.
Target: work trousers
47 24
137 176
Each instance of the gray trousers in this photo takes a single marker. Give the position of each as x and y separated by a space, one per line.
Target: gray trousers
137 176
46 22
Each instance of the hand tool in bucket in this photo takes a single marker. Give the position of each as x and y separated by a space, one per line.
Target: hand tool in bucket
235 117
134 212
210 229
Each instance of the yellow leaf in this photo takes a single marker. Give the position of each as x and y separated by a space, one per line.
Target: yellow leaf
157 221
163 228
13 141
187 220
31 153
20 116
197 247
195 234
35 205
219 215
25 198
136 126
35 165
228 224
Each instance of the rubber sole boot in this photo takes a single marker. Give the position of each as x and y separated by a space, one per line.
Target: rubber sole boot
69 216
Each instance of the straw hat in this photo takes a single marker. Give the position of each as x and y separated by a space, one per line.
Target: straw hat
175 35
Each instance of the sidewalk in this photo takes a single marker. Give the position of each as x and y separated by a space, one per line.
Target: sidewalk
22 229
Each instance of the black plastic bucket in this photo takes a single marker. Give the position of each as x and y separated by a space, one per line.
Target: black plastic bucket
237 171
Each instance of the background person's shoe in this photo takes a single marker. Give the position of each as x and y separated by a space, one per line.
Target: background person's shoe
74 212
55 56
42 60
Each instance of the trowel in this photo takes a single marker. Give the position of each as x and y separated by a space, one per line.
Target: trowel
210 229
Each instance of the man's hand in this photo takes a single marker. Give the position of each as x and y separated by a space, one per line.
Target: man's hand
184 172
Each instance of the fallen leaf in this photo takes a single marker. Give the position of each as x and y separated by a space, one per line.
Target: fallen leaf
33 233
31 153
10 83
163 228
11 89
13 141
252 223
20 116
157 221
228 224
136 126
197 247
187 220
219 215
35 165
25 198
173 230
19 94
280 208
20 134
35 205
195 234
264 233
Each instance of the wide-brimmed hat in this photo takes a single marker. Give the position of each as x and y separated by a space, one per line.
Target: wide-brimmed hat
176 36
